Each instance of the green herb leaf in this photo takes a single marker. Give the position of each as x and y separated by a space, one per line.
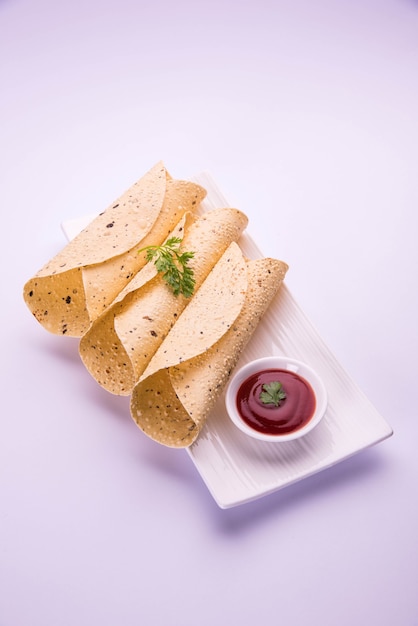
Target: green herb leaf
273 393
173 265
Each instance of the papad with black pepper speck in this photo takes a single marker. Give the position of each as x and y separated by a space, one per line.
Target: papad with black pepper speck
82 280
119 345
173 399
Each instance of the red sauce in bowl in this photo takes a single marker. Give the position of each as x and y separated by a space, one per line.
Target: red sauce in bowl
293 413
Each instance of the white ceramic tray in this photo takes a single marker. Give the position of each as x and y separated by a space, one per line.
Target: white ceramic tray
236 468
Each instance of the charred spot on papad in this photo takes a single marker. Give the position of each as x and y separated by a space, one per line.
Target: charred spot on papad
160 414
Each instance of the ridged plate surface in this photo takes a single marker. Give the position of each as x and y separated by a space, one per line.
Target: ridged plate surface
237 468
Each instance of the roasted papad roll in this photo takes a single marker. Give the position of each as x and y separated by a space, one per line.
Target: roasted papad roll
80 282
119 344
174 396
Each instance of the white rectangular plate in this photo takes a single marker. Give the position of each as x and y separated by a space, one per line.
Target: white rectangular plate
237 469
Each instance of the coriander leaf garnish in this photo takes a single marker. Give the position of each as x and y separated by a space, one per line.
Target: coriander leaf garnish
173 265
272 393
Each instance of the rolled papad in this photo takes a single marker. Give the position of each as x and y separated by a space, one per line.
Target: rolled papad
186 376
119 345
80 282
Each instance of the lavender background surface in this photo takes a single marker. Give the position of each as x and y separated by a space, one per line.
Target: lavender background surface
305 114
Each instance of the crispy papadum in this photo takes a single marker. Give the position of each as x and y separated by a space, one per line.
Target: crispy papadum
119 345
173 398
80 282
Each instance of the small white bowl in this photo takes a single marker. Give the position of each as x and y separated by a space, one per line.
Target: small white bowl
276 362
